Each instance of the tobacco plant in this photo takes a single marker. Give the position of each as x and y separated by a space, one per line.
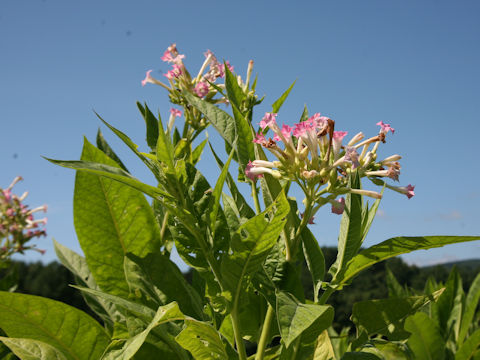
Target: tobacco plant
245 298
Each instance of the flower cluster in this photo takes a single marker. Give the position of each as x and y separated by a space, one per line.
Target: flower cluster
179 78
17 225
315 156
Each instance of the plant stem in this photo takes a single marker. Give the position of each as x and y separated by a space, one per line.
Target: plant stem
255 198
267 324
242 354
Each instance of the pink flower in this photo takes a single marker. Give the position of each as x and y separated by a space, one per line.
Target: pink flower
352 156
300 129
167 56
10 212
385 128
286 132
201 89
175 112
408 190
174 73
310 221
338 206
251 174
337 142
260 139
147 78
268 120
221 69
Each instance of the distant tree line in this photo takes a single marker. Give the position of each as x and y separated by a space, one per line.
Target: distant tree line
52 280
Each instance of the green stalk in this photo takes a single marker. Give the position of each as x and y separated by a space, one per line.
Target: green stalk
242 354
267 324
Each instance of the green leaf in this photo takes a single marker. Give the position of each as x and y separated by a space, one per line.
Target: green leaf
78 266
350 237
75 334
28 349
471 303
128 307
386 316
425 342
221 121
323 347
469 348
355 355
397 246
112 172
370 216
165 150
315 260
214 204
394 287
202 340
151 123
234 91
111 220
244 209
279 102
160 280
295 318
165 314
197 152
103 145
251 245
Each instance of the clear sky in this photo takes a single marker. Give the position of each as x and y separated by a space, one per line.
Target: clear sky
413 64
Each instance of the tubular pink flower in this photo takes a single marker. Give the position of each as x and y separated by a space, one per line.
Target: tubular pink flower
175 112
351 155
251 174
147 78
174 73
201 89
286 132
268 120
221 69
385 128
408 190
338 206
337 142
167 56
260 139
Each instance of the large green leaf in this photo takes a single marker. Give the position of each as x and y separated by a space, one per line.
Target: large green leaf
279 102
202 340
397 246
386 316
165 314
111 220
251 245
160 280
469 348
295 319
78 266
425 342
471 304
75 334
350 236
29 349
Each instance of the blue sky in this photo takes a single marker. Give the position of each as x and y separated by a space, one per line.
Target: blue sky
413 64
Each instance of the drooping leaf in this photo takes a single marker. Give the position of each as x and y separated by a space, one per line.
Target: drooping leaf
386 316
471 304
397 246
78 266
295 319
279 102
111 220
202 340
164 314
425 340
75 334
160 280
29 349
111 172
